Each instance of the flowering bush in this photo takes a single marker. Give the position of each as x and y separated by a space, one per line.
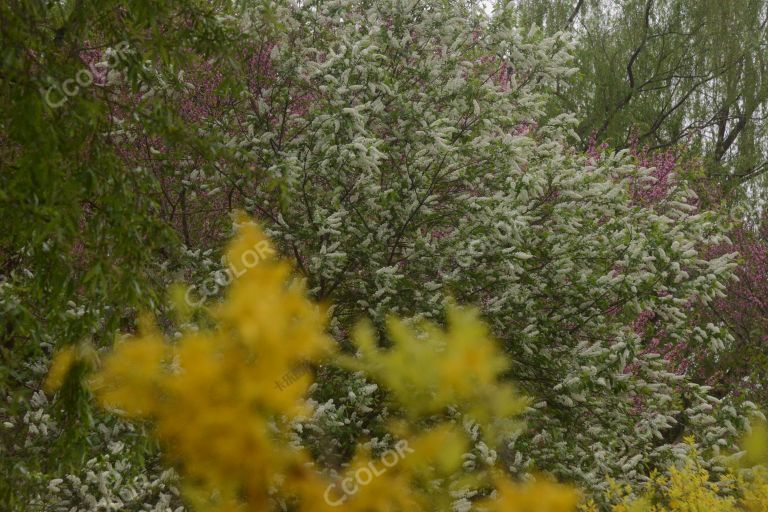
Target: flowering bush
690 487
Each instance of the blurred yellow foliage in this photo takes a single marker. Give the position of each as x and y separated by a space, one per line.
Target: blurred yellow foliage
538 496
60 368
211 395
65 361
429 369
211 400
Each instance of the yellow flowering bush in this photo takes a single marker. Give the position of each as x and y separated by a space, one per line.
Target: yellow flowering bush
210 395
691 487
211 400
429 369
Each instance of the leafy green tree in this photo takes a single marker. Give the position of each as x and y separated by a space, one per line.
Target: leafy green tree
660 73
85 243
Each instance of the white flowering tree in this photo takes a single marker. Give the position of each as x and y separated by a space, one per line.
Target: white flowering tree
415 162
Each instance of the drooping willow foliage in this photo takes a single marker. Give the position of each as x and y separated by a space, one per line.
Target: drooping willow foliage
667 72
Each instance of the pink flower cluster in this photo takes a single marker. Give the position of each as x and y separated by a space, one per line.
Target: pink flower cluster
663 165
747 301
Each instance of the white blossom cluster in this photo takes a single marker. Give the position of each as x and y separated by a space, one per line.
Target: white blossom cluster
119 470
108 483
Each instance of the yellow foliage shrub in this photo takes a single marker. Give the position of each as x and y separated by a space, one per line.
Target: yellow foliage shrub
691 488
210 399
